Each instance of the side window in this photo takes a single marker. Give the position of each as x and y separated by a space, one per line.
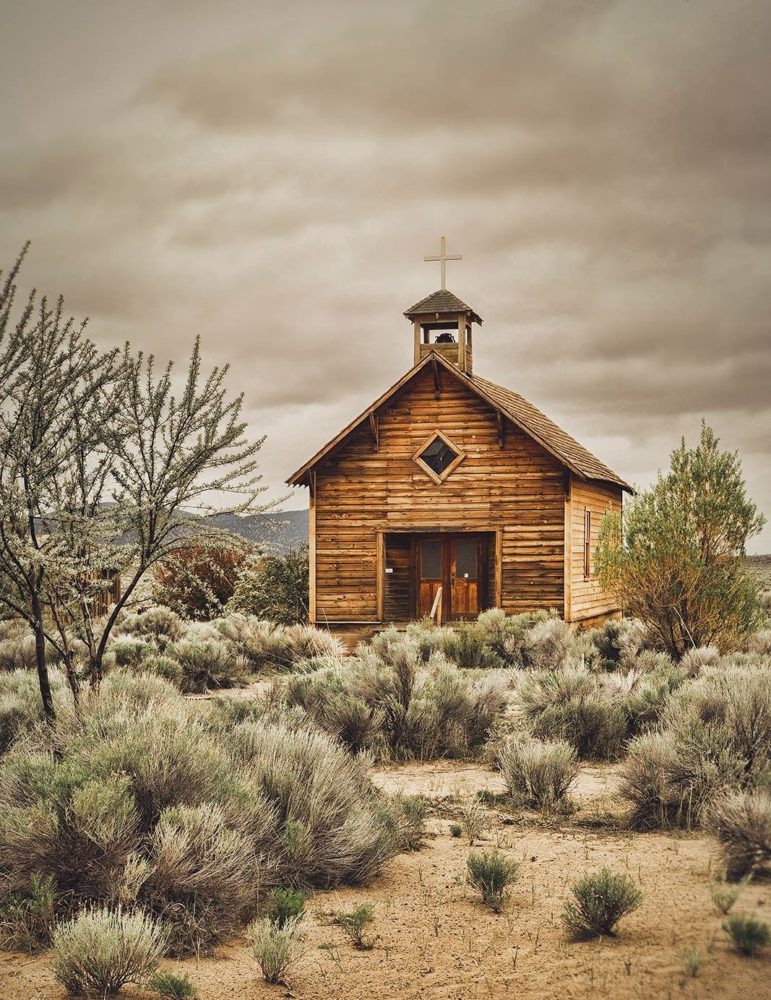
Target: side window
587 544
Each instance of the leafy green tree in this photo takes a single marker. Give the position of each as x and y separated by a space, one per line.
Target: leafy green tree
674 558
274 588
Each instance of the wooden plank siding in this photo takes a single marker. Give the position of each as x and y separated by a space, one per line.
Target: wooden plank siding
517 490
586 599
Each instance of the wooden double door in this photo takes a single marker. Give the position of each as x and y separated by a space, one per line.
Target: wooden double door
454 564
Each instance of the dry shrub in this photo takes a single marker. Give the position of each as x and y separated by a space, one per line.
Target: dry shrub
748 934
266 645
157 625
149 800
205 878
547 644
330 819
101 950
130 652
21 708
716 736
693 660
388 701
537 774
198 578
18 652
491 873
742 823
568 705
208 663
599 902
27 921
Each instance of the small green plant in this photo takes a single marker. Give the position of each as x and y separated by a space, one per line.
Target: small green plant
455 829
693 960
99 951
748 934
275 948
474 820
491 873
355 923
169 984
27 922
600 901
725 894
283 905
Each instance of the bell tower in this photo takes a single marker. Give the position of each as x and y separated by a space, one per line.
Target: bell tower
443 323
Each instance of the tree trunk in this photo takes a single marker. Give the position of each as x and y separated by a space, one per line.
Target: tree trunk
42 667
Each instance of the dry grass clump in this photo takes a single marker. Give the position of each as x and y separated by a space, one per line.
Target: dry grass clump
695 659
20 706
388 701
101 950
715 736
17 652
537 774
266 645
275 947
742 823
599 901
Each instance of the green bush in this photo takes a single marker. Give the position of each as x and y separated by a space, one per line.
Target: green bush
725 894
537 774
355 923
491 873
456 830
284 904
169 984
599 902
101 950
274 588
674 558
275 947
748 934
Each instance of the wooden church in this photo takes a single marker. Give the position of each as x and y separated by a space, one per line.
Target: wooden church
451 494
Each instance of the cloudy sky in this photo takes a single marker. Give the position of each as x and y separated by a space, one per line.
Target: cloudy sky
270 175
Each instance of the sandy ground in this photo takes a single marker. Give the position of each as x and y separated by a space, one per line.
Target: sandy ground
436 939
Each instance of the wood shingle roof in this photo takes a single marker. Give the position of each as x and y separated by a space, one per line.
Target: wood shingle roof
441 301
510 404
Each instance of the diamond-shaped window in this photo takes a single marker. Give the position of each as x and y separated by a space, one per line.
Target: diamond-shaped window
438 457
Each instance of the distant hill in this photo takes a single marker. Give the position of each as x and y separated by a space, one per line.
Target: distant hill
276 532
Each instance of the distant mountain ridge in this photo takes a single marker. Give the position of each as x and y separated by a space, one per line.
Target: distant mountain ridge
275 532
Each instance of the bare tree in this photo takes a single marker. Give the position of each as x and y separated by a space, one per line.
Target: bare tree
104 469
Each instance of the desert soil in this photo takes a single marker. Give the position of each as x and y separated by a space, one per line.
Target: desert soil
437 940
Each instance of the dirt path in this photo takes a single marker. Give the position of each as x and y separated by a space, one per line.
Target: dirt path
437 941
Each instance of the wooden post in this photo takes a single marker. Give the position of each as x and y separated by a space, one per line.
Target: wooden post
416 336
499 568
380 570
462 342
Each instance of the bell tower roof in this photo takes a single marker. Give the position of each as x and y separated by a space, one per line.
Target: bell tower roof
441 302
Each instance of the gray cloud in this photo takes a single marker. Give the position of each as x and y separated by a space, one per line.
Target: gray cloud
270 176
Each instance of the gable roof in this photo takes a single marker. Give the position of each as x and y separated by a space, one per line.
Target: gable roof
511 405
442 301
